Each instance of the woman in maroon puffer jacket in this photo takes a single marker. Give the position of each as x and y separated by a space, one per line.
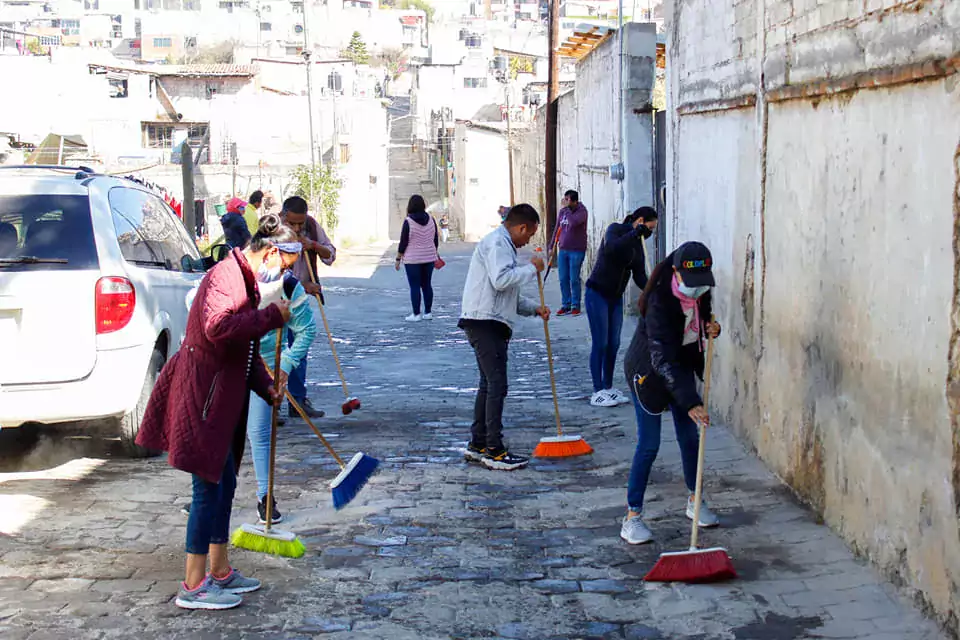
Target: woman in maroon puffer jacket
198 409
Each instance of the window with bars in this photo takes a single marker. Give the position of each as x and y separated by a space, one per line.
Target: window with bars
162 43
474 83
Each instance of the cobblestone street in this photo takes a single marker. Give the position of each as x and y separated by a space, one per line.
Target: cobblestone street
433 547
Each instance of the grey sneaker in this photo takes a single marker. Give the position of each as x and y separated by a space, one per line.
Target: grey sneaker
207 596
617 396
707 517
634 531
236 583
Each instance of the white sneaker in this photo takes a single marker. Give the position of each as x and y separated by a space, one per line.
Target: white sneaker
413 317
618 397
602 399
707 517
634 531
428 316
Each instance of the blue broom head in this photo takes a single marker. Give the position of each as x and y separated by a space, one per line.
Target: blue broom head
347 485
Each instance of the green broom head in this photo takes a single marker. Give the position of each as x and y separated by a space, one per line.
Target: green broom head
274 542
347 485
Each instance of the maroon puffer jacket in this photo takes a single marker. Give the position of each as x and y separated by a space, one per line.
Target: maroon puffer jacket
198 407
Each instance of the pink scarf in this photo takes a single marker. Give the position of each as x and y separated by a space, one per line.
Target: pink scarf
691 310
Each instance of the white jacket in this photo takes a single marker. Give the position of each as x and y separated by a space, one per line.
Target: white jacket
492 289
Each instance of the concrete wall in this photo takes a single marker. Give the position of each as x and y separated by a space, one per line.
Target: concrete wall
819 158
482 180
588 134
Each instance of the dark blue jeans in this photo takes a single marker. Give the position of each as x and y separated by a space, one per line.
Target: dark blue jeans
419 277
209 521
569 264
648 445
297 380
606 321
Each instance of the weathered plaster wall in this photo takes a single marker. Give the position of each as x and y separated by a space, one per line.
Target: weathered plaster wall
588 135
815 147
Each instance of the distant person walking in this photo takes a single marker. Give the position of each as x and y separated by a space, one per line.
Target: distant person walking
445 227
419 242
235 230
621 255
572 242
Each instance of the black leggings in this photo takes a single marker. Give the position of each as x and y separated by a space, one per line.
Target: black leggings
419 277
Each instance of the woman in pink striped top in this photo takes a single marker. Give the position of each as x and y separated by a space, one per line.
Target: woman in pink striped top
418 253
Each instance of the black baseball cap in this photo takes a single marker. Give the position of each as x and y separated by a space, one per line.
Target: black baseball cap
695 264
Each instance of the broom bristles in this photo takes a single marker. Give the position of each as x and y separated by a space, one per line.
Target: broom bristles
694 566
562 447
351 480
275 542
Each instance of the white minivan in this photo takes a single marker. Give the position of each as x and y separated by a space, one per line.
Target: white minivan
94 274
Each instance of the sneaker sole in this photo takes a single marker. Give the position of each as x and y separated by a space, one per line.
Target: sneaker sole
493 465
469 456
704 525
635 543
208 606
276 520
241 590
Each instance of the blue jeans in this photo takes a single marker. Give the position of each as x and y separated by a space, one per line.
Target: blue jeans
648 445
258 432
606 321
209 521
569 264
297 380
419 277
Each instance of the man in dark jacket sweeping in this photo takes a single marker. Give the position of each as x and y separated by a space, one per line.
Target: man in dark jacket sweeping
621 255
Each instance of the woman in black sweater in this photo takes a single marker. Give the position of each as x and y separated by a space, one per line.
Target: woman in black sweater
621 256
662 363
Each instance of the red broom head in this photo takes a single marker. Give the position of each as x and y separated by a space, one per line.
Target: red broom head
562 447
351 405
697 566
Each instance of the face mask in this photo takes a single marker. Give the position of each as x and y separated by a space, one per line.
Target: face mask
692 292
644 231
269 274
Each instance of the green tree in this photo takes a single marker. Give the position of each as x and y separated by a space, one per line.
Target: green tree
321 187
357 49
422 5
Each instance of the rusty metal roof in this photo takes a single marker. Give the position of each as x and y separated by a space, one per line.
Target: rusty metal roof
185 70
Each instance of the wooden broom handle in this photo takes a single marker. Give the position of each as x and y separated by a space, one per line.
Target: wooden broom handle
274 416
553 378
703 433
306 418
326 327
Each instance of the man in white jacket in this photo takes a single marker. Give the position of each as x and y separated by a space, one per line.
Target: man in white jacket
491 306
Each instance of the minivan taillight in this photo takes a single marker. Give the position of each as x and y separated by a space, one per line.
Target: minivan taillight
115 301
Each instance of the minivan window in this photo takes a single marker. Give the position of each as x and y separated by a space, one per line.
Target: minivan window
46 232
149 233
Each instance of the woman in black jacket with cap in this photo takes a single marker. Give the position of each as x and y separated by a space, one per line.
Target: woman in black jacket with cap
662 363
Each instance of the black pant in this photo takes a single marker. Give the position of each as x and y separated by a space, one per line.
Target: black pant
419 276
489 340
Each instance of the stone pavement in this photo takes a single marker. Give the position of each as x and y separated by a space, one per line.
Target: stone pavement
433 547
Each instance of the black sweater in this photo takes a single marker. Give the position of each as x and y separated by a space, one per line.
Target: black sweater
620 256
657 354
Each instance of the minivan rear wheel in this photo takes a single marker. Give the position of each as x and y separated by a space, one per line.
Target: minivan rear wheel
130 423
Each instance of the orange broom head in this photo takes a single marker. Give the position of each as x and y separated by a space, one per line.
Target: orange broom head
694 566
562 447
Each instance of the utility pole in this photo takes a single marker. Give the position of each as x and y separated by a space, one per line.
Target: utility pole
306 58
233 163
186 170
510 145
553 84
